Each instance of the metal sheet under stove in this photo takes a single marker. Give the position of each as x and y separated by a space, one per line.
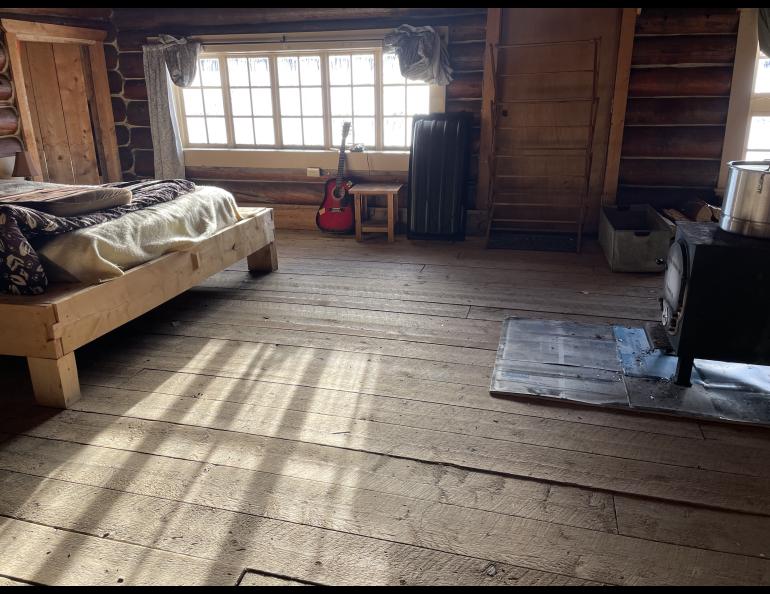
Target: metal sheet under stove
618 367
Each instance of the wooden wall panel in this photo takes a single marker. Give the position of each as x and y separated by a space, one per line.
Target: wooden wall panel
34 122
678 98
667 111
77 17
684 49
544 138
557 40
688 21
43 86
544 86
700 81
72 89
699 142
669 172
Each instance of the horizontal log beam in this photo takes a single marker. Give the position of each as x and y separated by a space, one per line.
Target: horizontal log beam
9 145
686 21
681 142
168 18
681 110
9 121
669 172
706 81
685 49
663 197
6 90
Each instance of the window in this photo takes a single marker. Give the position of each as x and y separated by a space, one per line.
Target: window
251 101
301 100
204 106
758 143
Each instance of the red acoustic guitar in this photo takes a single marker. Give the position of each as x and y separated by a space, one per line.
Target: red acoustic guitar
336 211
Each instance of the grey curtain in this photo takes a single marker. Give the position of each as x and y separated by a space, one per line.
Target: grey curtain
422 55
763 29
173 61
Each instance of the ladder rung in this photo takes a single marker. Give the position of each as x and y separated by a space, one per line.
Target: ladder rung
528 221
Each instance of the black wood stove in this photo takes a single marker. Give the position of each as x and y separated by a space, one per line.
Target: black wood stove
716 300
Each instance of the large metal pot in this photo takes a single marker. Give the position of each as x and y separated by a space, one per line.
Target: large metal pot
746 208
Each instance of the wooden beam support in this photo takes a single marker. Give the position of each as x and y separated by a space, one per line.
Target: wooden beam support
47 33
264 259
13 46
104 119
494 26
619 102
55 381
737 125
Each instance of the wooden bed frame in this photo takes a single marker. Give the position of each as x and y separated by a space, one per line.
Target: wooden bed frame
46 329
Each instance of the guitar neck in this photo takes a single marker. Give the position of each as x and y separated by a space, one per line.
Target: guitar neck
341 164
340 168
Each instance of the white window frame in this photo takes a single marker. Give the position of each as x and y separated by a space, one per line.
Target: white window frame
272 51
759 106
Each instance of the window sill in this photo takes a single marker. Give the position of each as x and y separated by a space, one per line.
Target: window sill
370 161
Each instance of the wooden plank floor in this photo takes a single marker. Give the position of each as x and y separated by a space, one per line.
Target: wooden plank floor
330 423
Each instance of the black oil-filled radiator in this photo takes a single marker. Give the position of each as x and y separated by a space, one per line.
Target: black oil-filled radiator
438 168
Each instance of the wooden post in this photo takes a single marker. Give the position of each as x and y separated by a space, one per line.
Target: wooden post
55 381
103 116
494 26
359 205
737 124
392 201
264 259
22 104
619 101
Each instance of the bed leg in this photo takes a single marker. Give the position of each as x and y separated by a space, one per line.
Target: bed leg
55 381
263 260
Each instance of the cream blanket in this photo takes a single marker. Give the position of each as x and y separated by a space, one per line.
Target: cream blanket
104 251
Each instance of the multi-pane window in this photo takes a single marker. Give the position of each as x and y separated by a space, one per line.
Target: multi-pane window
401 99
251 101
204 105
758 144
301 100
352 96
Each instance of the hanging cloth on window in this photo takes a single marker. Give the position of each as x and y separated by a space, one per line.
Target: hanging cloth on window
763 29
422 55
173 61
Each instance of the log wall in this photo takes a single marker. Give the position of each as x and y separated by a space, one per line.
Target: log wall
10 131
678 95
291 192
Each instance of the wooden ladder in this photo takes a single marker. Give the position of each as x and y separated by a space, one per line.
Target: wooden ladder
522 185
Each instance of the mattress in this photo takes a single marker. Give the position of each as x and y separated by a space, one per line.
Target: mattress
105 251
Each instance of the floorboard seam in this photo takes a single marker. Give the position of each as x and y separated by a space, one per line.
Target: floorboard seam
20 580
434 463
373 395
253 515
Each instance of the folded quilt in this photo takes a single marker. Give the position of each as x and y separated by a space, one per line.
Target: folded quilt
21 272
62 200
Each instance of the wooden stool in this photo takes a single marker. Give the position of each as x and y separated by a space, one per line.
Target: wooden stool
360 193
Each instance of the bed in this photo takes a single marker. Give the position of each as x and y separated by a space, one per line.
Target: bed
48 328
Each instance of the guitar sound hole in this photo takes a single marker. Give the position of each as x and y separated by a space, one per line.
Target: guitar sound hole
336 193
